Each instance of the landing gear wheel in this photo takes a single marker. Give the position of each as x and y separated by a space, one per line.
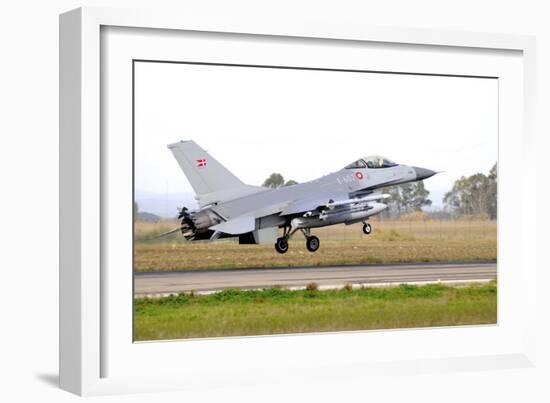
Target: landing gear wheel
367 229
281 245
312 243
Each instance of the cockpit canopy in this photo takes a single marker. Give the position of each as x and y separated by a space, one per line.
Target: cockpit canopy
373 161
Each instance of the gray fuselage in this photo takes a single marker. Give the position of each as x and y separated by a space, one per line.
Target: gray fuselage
339 185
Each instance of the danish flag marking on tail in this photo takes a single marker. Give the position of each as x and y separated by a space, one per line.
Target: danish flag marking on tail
201 163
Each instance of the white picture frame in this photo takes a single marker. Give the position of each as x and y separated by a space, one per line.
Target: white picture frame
83 291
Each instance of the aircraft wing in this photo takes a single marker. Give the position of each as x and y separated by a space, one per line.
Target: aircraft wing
316 205
302 206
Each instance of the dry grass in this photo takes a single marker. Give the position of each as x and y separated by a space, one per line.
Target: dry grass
391 241
145 231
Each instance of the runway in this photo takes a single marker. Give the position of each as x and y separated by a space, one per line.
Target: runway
211 280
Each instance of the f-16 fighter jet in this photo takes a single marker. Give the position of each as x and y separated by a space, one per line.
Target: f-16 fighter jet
231 208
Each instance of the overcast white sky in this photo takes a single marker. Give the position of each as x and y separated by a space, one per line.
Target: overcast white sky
305 124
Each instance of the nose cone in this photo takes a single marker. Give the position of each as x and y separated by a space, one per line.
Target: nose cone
423 173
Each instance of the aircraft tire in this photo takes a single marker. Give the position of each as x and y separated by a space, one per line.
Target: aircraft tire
281 245
367 229
312 243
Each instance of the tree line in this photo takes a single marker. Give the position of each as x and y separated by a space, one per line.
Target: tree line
277 180
474 195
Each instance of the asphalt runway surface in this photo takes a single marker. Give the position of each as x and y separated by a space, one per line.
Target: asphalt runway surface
211 280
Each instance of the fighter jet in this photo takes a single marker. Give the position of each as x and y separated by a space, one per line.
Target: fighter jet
230 208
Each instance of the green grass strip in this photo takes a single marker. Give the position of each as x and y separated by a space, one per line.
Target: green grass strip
280 311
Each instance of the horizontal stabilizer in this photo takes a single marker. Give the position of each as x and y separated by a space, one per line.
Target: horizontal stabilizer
235 226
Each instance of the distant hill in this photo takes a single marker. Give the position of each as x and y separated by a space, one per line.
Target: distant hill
164 205
144 216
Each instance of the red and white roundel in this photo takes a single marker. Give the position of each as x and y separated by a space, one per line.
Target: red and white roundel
358 175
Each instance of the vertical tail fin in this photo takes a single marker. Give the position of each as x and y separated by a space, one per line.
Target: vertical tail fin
207 176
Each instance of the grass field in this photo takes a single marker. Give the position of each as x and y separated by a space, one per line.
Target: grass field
392 241
279 311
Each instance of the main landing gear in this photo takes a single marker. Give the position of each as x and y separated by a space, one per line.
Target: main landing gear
312 242
367 228
281 245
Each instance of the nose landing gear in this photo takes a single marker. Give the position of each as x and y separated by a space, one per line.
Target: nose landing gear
367 228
